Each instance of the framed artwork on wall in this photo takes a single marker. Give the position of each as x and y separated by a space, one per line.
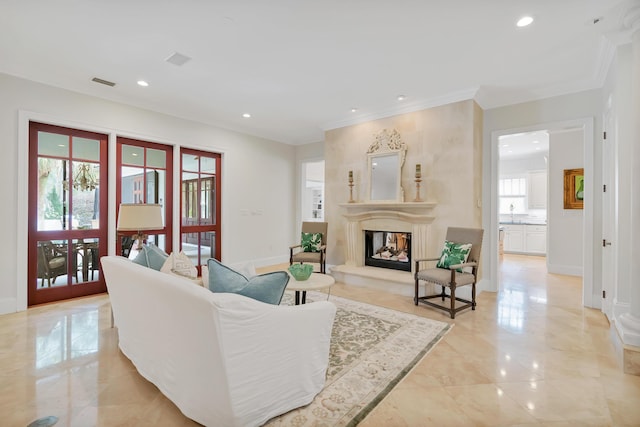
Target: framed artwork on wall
574 188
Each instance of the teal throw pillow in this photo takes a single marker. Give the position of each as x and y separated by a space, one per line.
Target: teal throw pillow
267 287
311 242
151 256
454 253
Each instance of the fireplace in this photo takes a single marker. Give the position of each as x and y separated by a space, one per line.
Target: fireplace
387 249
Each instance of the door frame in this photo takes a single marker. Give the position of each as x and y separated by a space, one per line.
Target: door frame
70 290
490 198
217 156
169 187
609 224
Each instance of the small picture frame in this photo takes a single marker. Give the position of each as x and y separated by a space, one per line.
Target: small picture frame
574 188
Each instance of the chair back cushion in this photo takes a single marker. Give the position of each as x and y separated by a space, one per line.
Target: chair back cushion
267 288
467 235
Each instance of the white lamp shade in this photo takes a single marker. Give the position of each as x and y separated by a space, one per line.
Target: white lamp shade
139 216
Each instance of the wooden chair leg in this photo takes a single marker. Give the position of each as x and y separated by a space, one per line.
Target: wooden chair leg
415 298
453 302
473 296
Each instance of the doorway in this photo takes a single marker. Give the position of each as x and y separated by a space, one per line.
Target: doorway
585 128
522 193
67 221
312 194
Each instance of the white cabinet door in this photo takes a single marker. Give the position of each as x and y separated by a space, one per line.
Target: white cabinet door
513 238
536 239
537 190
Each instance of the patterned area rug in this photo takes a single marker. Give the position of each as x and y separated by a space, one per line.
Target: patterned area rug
372 349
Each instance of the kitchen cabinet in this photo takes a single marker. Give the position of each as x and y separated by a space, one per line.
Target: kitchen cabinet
525 238
537 198
535 239
513 238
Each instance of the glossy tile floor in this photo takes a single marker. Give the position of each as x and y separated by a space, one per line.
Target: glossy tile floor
529 355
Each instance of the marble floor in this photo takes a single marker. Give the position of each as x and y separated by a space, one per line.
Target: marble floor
529 355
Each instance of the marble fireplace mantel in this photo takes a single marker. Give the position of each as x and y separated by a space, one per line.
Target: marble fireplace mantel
410 217
389 206
398 217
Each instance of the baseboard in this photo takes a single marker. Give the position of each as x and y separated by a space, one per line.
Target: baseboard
8 305
628 355
568 270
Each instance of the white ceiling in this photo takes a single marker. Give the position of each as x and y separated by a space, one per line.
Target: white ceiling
299 66
524 144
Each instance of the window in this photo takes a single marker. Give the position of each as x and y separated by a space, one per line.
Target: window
513 195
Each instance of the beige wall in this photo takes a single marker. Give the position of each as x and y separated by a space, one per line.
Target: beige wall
445 140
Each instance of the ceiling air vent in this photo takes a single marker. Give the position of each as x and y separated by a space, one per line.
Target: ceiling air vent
178 59
103 82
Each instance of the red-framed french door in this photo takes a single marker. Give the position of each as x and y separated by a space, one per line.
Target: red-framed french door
67 231
200 205
144 174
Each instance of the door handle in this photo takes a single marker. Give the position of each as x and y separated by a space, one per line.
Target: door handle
605 243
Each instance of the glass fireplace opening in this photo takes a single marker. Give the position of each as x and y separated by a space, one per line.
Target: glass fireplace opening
387 249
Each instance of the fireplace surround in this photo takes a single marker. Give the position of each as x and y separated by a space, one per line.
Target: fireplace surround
401 217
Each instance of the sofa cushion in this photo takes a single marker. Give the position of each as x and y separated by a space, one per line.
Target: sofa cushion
267 288
151 256
180 264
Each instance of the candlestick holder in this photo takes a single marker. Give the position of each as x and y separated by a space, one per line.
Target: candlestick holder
351 190
418 181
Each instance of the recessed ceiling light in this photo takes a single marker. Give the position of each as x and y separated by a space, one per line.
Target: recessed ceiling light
535 142
401 97
142 83
134 154
510 151
537 148
246 115
524 21
505 145
353 110
61 145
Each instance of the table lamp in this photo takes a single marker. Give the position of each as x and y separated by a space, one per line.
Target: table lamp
139 217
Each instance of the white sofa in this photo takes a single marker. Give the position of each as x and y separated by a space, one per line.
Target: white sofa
223 359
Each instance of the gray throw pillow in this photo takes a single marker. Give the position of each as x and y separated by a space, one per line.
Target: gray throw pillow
151 256
267 287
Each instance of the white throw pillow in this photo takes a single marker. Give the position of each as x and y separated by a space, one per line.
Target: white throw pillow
181 265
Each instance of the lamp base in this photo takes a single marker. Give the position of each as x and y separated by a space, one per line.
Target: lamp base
140 237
